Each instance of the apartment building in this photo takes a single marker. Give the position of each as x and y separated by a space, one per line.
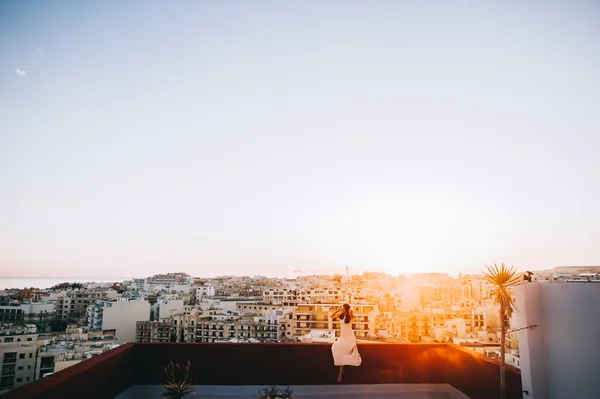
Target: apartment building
419 326
280 296
18 359
171 278
12 314
138 284
27 312
446 295
204 291
119 315
321 295
164 307
194 325
44 364
184 324
309 317
254 307
225 328
153 331
72 307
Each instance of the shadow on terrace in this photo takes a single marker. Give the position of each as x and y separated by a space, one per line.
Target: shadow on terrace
107 375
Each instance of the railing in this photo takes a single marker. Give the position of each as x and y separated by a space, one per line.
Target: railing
108 374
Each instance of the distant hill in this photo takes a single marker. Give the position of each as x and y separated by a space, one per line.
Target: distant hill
568 269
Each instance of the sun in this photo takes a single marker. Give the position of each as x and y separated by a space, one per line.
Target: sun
402 236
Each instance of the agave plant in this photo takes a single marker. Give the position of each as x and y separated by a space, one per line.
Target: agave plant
503 278
273 391
178 381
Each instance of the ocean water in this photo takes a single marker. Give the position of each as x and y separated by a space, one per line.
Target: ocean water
47 282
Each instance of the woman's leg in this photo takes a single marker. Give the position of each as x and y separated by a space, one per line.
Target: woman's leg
340 374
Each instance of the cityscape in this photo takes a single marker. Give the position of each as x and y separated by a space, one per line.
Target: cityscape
234 199
48 329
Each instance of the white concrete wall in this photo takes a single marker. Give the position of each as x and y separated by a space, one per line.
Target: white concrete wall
560 358
122 316
164 308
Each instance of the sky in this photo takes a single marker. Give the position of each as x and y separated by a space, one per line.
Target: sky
267 137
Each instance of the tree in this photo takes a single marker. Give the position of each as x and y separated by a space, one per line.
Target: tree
502 278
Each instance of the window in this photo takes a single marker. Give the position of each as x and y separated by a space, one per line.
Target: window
29 339
29 367
30 355
27 378
19 380
21 356
20 368
8 339
6 382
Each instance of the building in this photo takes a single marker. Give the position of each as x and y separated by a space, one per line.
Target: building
18 359
72 307
416 326
204 291
119 315
153 331
171 279
164 307
308 317
12 314
559 342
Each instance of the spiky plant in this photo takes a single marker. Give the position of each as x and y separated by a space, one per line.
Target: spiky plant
178 381
503 278
273 391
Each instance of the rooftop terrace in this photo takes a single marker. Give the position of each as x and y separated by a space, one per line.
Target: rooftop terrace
130 367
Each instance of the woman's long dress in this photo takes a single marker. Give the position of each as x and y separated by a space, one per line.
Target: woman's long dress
345 351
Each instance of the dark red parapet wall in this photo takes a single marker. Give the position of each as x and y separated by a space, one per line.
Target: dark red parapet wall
103 376
282 364
312 364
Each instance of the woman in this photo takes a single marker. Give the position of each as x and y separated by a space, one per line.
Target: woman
345 351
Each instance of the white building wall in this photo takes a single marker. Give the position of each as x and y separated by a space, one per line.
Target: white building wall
204 291
561 356
122 317
164 307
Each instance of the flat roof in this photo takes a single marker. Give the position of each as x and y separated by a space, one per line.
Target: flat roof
351 391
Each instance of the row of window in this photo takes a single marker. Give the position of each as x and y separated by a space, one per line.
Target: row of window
11 339
8 356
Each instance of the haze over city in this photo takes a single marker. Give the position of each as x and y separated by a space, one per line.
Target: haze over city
264 137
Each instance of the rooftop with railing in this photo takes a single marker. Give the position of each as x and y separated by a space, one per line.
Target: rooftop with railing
133 366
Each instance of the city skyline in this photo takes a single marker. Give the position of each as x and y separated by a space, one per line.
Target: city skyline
261 138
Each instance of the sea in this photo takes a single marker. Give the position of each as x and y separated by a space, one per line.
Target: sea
47 282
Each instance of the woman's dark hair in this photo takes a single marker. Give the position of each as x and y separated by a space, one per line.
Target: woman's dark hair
346 314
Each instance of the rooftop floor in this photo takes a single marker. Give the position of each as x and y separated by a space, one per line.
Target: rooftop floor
387 371
374 391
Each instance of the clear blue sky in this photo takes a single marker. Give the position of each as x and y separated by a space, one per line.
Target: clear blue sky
262 137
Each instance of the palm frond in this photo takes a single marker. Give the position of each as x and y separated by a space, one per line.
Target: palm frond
503 278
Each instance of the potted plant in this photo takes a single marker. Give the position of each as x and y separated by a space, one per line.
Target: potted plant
178 382
273 392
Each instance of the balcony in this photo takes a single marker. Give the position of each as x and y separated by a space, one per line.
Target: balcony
138 367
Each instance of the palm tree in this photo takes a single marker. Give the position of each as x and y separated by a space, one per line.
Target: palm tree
503 278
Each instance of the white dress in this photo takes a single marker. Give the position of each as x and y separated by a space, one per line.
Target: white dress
345 351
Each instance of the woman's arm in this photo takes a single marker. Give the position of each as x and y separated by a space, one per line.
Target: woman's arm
336 313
